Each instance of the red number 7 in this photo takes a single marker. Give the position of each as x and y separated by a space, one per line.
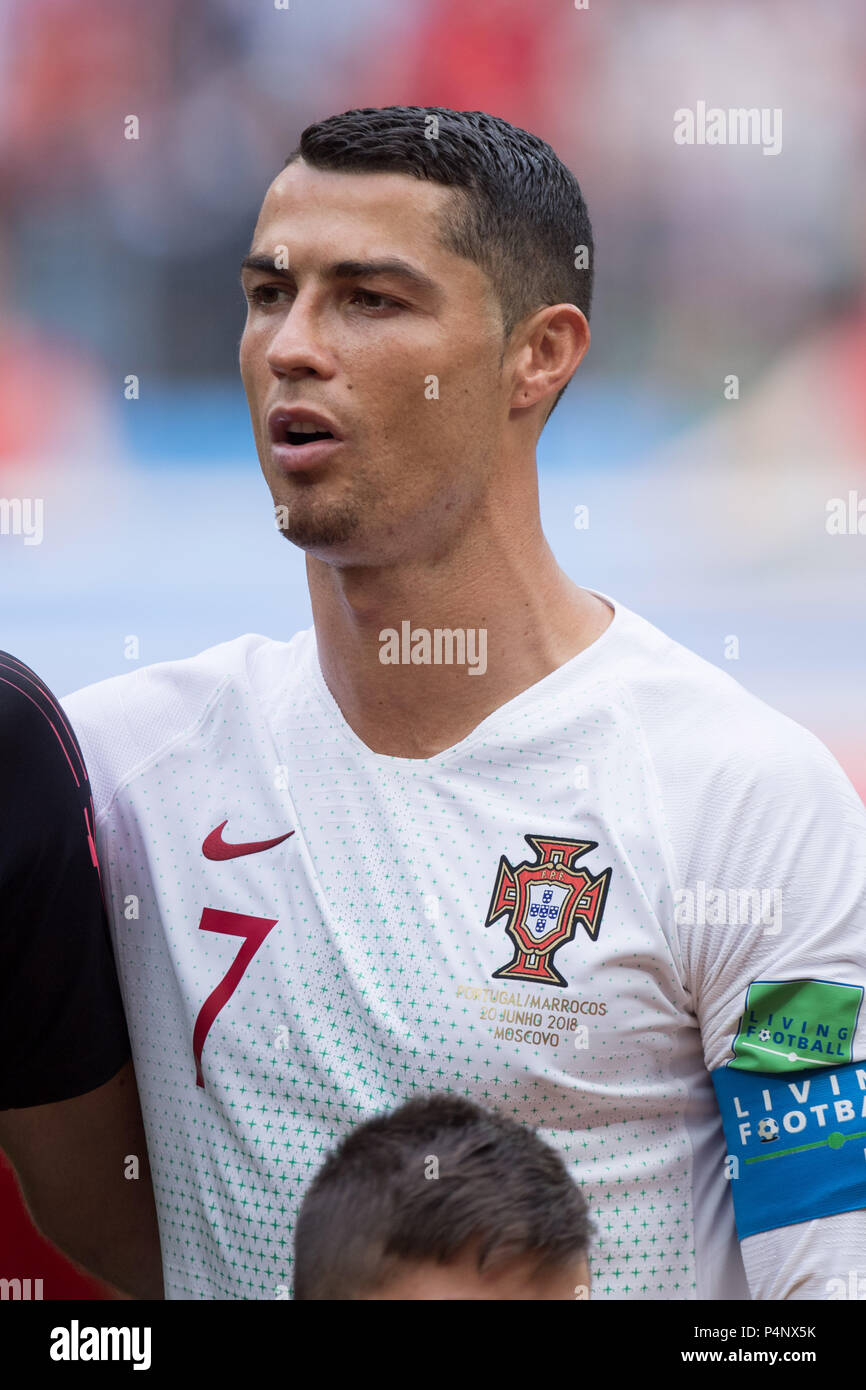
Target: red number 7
253 930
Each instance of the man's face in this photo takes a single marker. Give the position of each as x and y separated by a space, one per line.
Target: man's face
518 1279
372 352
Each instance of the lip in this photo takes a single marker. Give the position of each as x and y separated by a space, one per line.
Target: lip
283 415
295 458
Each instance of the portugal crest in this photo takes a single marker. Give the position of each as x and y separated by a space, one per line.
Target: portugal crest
543 903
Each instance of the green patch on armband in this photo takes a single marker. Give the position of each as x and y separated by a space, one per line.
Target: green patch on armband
796 1025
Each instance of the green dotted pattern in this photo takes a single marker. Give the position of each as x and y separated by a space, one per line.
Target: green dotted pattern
351 1004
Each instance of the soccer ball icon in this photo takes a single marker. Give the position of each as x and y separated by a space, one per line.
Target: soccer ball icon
768 1130
764 1035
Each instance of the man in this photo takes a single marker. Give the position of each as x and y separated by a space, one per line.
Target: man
69 1113
463 833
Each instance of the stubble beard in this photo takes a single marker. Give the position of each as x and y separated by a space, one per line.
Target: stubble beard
312 528
313 522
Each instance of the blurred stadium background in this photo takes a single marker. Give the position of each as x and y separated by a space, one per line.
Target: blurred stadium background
706 515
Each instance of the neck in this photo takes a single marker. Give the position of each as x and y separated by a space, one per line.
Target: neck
505 613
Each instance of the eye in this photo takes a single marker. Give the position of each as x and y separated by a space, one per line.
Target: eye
258 295
384 300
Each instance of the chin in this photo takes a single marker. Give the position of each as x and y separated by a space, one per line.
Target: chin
319 530
322 516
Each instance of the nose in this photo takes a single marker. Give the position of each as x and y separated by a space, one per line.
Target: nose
297 348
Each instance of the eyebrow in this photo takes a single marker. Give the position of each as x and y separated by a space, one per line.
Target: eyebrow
351 270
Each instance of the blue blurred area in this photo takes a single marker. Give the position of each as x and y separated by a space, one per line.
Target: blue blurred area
201 424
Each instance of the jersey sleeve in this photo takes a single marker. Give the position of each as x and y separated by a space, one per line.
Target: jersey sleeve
770 916
62 1026
767 923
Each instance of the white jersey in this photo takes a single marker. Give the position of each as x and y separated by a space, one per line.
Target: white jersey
629 905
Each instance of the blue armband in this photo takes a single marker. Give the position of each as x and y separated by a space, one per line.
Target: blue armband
796 1143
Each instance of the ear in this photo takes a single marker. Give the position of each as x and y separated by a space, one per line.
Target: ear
553 343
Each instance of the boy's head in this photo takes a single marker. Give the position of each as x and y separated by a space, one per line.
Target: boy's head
441 1199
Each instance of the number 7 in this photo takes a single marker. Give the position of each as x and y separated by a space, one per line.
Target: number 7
253 930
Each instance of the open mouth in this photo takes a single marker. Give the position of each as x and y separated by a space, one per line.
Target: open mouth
306 436
304 432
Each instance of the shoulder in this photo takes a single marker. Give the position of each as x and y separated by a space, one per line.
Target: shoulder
36 738
730 769
699 721
125 720
44 804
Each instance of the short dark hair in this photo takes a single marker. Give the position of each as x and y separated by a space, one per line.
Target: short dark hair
518 212
372 1207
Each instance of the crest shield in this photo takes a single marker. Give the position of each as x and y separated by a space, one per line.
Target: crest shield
543 904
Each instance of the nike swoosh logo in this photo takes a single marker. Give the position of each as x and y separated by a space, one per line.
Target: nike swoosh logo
215 847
